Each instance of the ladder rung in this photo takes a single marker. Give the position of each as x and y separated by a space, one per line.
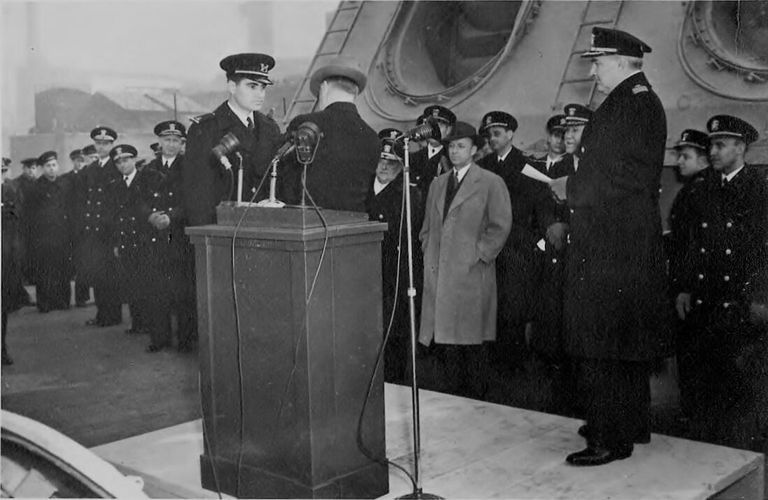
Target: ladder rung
578 80
592 23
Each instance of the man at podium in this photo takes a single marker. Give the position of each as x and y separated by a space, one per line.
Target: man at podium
348 151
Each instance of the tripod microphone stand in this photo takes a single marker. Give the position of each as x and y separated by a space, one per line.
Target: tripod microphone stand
417 493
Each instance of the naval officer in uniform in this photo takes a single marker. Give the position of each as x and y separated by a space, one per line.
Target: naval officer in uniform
348 150
205 179
723 295
616 312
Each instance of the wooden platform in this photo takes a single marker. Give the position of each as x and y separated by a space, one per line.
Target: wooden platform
473 449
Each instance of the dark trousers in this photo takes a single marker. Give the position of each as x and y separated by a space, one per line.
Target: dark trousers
723 378
52 281
618 401
82 291
463 369
106 292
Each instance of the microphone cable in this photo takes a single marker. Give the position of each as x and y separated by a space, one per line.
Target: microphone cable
237 327
380 356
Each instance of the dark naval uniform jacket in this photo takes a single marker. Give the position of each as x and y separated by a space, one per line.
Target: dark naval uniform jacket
520 260
615 299
95 209
424 169
346 159
205 180
684 216
728 254
547 335
387 206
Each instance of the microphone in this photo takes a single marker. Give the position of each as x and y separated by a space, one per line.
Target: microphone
308 137
226 145
288 146
430 129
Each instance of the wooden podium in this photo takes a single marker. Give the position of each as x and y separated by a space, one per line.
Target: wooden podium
282 396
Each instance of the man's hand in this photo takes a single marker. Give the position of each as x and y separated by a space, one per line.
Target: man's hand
159 220
683 305
557 234
115 252
758 313
558 187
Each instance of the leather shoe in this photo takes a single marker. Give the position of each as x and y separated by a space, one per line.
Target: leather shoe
154 348
640 437
7 359
93 322
596 455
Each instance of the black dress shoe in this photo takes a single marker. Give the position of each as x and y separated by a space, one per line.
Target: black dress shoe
93 322
7 359
595 455
640 438
155 348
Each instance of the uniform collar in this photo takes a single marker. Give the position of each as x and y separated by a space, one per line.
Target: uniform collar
729 177
242 116
432 150
129 178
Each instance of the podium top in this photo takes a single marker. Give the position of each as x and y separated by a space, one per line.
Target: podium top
285 223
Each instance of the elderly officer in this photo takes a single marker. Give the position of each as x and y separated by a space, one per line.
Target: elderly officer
431 161
385 204
50 235
520 260
615 306
96 262
205 179
348 151
467 221
722 293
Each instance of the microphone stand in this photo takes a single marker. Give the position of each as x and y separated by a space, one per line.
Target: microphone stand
239 179
272 201
417 493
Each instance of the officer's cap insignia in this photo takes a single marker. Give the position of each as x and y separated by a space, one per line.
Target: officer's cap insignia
118 151
685 137
264 67
489 120
393 134
715 124
171 126
435 112
103 132
639 88
572 111
387 148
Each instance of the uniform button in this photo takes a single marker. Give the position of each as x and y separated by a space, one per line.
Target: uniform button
698 302
99 190
704 225
122 232
703 250
170 193
728 251
729 225
133 218
89 202
572 210
122 246
726 278
726 305
554 261
98 216
97 229
701 276
381 217
87 228
121 219
154 239
157 194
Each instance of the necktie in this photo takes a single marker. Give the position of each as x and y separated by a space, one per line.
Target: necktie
167 164
450 192
250 123
125 178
